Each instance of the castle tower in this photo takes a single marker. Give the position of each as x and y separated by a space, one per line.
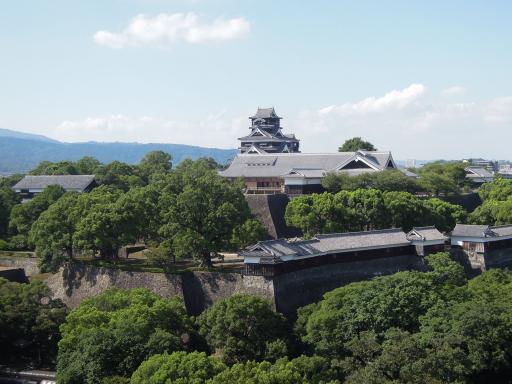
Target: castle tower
266 135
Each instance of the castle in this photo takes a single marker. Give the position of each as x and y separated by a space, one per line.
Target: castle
270 162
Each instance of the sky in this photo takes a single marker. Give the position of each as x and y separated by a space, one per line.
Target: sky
423 79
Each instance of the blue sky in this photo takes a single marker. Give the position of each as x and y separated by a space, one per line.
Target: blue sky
422 79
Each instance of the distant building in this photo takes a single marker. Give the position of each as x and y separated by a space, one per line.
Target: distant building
490 165
275 257
482 246
410 163
479 175
505 171
301 173
30 186
266 135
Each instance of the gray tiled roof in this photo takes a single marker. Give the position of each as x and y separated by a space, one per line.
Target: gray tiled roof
502 230
356 240
425 234
478 172
408 173
68 182
466 230
334 242
483 231
265 113
243 164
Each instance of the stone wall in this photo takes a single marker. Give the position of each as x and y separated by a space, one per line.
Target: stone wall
29 264
76 282
199 290
296 289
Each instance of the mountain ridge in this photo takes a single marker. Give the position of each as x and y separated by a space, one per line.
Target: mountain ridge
20 152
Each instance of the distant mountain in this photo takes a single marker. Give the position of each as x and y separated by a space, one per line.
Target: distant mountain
21 152
22 135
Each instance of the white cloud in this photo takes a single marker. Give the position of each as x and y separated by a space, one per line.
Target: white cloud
499 110
393 100
412 124
215 130
169 28
454 90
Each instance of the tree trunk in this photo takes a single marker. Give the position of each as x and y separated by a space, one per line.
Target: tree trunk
206 260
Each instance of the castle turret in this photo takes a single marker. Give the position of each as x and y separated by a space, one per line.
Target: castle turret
266 135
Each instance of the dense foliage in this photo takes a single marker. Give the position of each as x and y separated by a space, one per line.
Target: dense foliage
189 211
389 180
178 367
29 323
497 204
244 328
356 144
410 327
437 178
112 334
365 209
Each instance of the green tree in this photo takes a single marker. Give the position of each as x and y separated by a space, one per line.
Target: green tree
356 144
485 214
405 210
397 300
499 190
242 328
317 213
178 367
154 162
302 370
444 215
111 222
8 200
58 168
29 323
24 215
119 175
388 180
200 211
87 165
113 333
52 233
248 233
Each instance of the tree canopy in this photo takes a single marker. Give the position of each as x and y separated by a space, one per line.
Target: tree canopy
243 328
497 204
178 367
355 144
29 323
365 209
113 333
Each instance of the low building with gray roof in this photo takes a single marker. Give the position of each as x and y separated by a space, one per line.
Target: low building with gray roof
482 246
274 257
479 175
297 173
30 185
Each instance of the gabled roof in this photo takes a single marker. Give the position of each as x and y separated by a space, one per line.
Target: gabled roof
284 162
265 113
502 230
68 182
478 172
425 234
482 231
467 230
